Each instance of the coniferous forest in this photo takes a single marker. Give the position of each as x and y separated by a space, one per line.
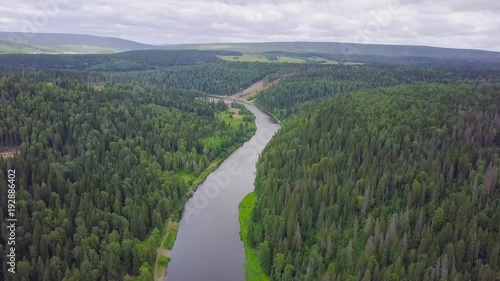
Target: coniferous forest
385 183
379 172
100 169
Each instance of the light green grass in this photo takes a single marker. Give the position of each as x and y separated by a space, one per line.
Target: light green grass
262 58
187 177
86 49
290 60
253 270
98 87
15 48
230 118
353 63
323 61
245 58
226 117
171 236
331 62
167 243
203 176
163 261
279 59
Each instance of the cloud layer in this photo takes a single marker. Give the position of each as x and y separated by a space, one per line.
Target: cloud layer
447 23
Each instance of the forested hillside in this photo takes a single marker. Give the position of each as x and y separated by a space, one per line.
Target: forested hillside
366 53
100 170
191 70
7 47
126 61
216 79
313 83
398 183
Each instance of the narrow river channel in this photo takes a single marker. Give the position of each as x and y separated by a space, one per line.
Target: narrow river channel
208 245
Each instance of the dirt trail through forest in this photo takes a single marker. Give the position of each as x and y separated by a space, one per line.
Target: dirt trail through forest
251 92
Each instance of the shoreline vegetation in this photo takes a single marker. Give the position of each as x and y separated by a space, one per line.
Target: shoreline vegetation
164 243
249 95
253 269
167 243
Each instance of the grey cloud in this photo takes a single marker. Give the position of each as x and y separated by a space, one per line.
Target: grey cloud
476 5
459 23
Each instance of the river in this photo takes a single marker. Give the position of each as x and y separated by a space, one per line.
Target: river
208 245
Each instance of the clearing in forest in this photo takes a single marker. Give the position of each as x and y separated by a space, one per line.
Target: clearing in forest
251 92
9 152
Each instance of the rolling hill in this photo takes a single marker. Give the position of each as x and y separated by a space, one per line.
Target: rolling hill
297 52
7 47
337 48
400 54
73 43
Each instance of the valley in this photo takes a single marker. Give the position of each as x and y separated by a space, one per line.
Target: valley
188 165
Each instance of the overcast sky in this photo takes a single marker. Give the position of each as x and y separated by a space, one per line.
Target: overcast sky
446 23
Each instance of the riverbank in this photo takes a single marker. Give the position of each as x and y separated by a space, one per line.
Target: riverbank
249 95
253 269
169 235
167 243
193 256
209 245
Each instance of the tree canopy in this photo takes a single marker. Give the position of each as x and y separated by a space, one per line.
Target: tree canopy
101 169
397 183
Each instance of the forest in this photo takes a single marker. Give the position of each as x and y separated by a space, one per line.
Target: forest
380 183
101 168
126 61
379 171
216 79
313 83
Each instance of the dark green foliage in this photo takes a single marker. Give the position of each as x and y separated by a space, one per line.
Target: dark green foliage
265 257
396 183
192 70
216 79
127 61
99 171
312 83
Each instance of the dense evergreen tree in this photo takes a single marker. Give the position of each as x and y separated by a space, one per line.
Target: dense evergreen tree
100 170
126 61
382 182
395 183
217 79
311 83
